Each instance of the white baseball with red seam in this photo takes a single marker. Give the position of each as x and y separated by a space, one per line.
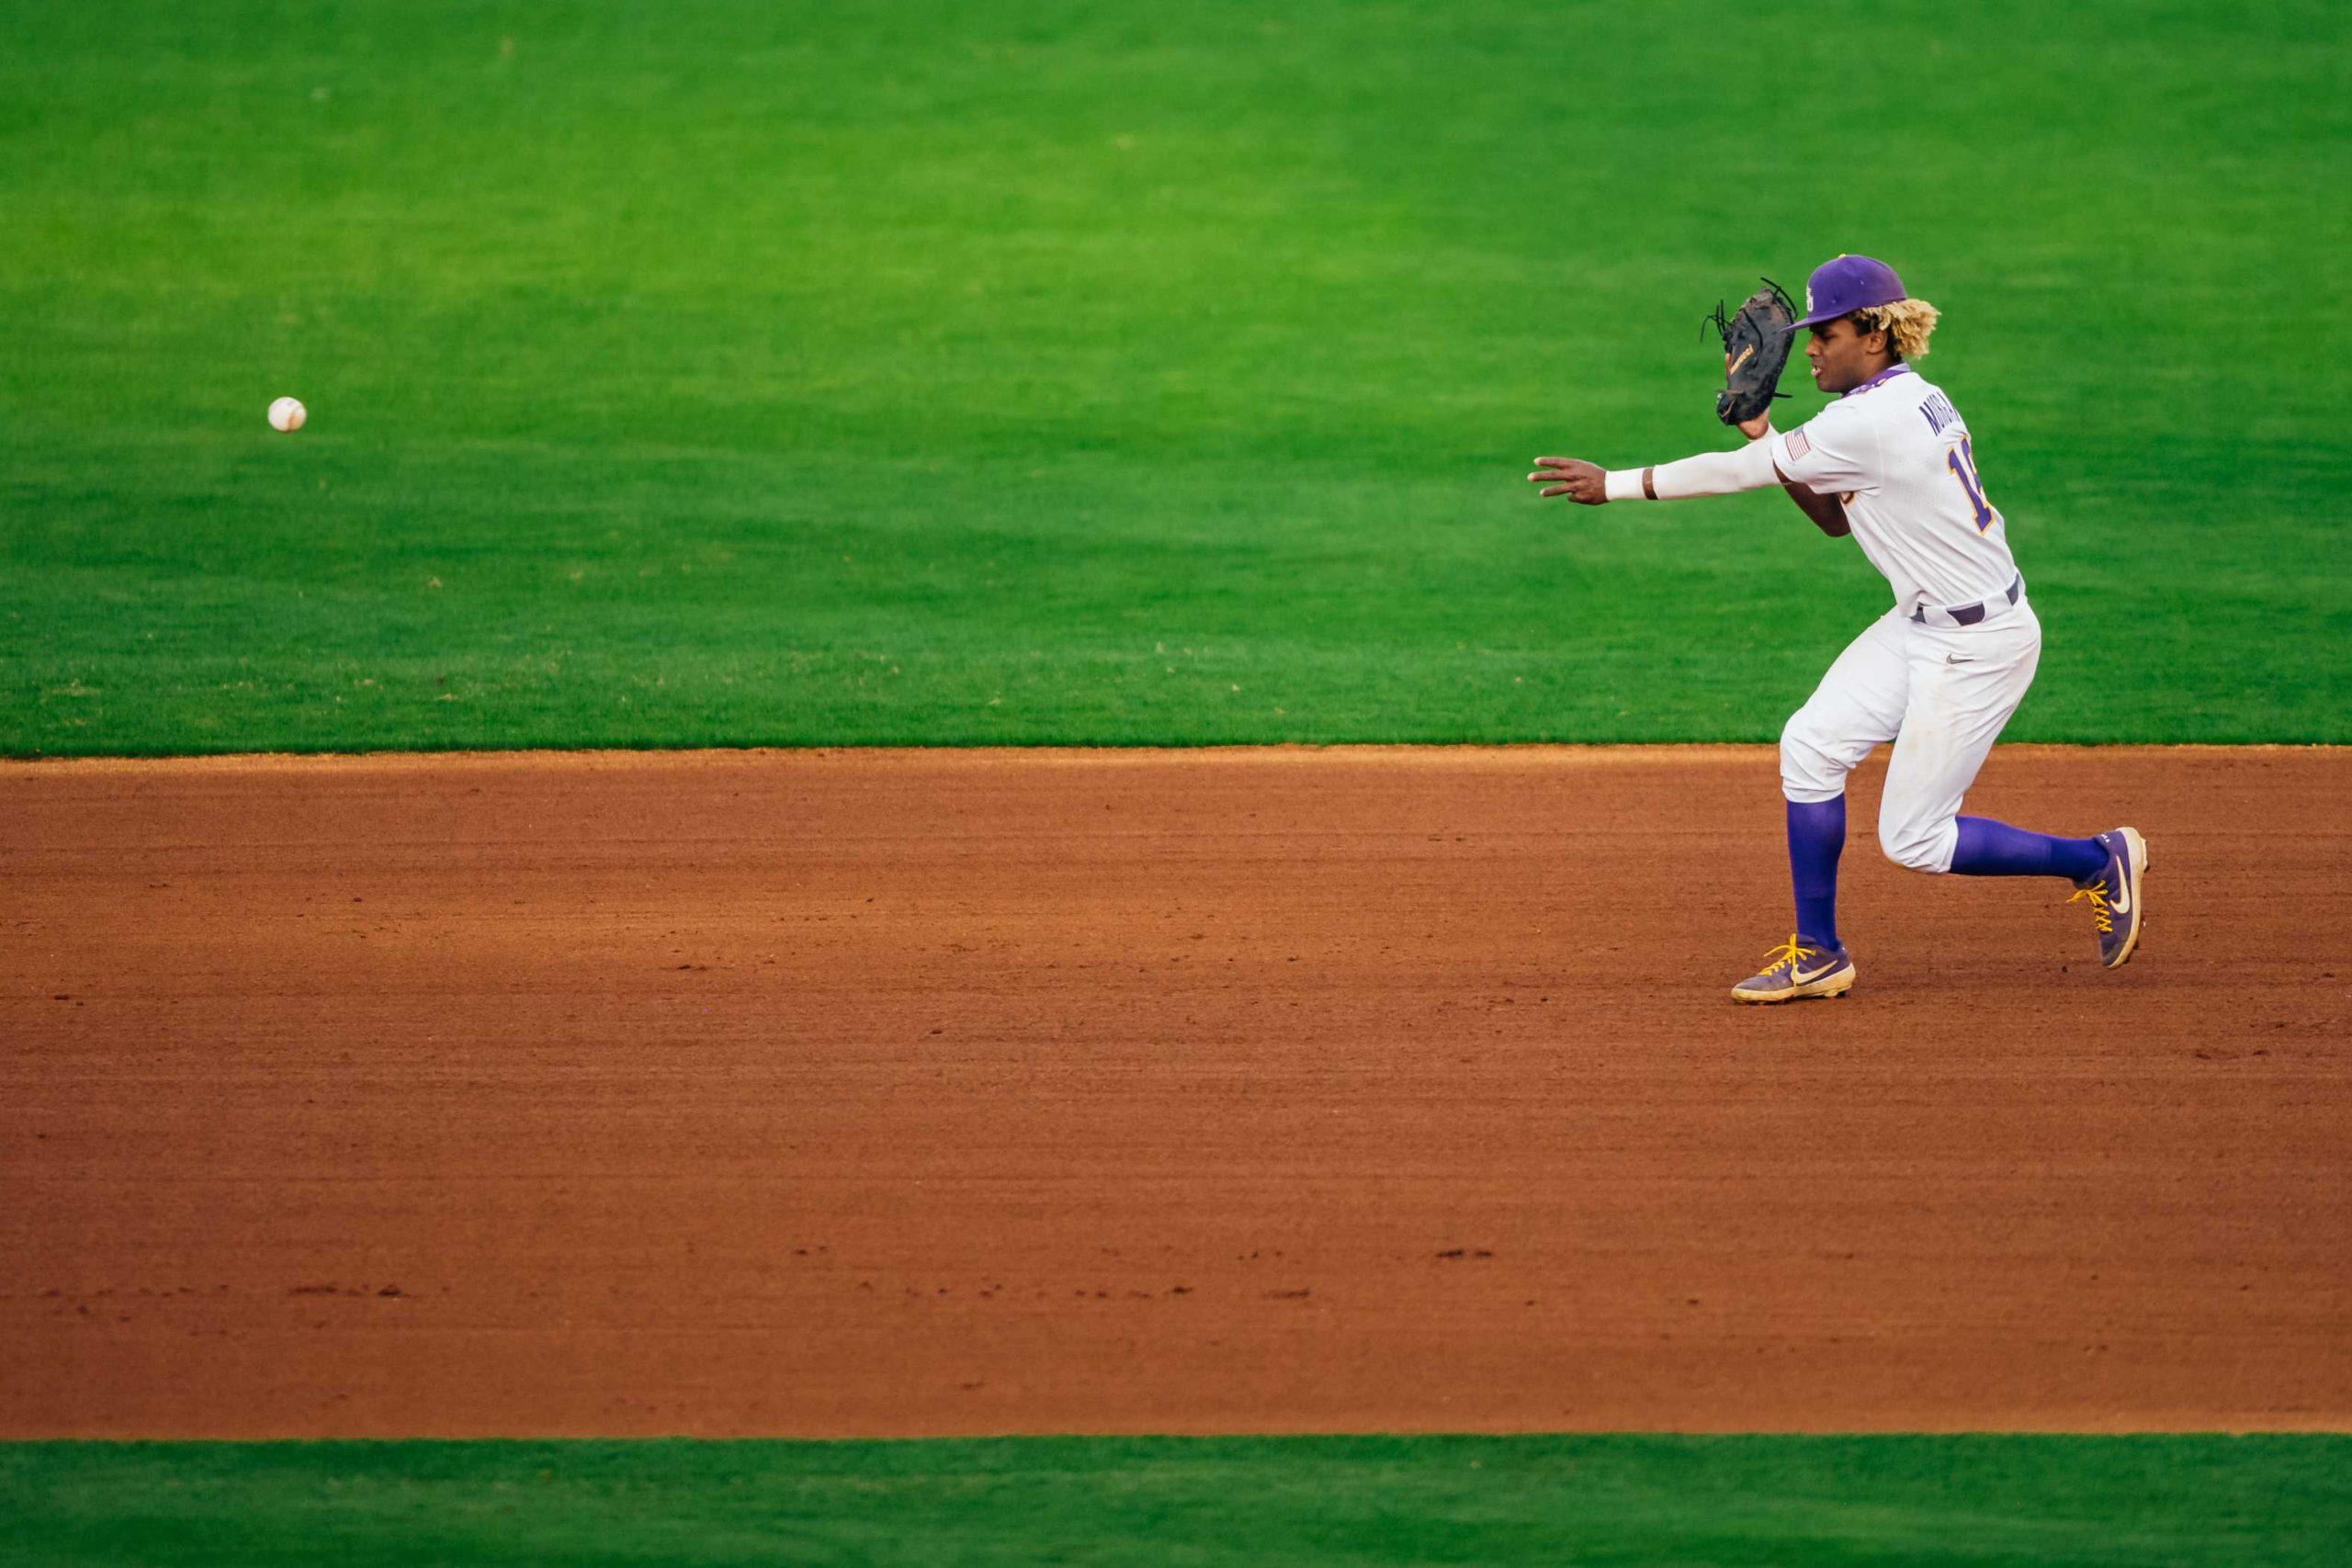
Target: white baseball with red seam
287 415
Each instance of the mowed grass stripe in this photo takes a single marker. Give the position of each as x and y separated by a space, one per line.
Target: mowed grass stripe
927 373
1306 1501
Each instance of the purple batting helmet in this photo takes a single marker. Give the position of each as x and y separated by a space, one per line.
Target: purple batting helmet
1846 284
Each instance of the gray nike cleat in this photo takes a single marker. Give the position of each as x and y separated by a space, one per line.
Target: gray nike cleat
2116 896
1797 969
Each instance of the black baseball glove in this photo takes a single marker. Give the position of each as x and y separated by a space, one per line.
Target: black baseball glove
1756 349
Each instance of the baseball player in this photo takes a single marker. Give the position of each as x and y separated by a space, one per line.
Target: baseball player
1889 462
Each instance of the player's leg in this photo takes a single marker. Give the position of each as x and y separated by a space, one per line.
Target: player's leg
1987 848
1964 686
1859 705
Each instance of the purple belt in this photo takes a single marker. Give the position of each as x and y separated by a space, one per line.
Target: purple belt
1969 614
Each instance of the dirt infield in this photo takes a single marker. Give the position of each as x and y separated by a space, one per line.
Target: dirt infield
933 1092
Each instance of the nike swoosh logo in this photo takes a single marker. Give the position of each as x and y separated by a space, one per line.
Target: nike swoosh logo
2122 899
1952 659
1798 976
1732 368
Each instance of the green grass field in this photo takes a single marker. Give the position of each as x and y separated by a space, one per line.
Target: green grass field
1304 1503
731 372
734 372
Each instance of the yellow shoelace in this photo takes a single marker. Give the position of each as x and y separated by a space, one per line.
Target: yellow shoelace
1785 957
2102 913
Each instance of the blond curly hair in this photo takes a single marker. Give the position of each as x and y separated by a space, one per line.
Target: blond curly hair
1907 324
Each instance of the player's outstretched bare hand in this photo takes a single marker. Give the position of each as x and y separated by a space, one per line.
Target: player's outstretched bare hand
1582 482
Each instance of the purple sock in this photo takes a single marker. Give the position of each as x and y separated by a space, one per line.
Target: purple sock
1817 833
1995 848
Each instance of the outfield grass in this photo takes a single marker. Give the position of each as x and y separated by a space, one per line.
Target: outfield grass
1304 1502
734 372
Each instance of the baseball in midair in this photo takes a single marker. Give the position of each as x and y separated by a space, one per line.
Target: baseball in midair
287 415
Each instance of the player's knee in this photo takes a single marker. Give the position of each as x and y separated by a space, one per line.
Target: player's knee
1809 768
1920 846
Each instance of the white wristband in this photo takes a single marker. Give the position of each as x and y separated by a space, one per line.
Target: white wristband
1623 484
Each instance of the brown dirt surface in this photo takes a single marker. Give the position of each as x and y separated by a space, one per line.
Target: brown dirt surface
911 1093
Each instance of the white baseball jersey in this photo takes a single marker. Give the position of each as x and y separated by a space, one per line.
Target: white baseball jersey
1941 688
1898 454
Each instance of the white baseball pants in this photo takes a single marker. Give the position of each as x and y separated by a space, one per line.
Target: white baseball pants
1941 694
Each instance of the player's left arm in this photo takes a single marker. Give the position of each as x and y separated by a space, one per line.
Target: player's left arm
1828 513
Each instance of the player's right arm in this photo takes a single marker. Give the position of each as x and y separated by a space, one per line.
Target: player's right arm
1812 464
1709 473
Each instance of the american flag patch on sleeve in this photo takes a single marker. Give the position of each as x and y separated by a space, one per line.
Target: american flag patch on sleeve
1797 444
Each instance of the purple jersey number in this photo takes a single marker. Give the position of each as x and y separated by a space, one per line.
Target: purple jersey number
1962 464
